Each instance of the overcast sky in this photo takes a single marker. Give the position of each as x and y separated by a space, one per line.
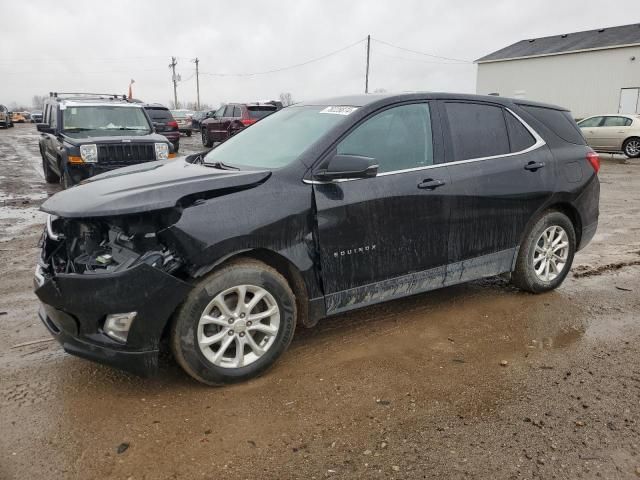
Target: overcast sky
99 46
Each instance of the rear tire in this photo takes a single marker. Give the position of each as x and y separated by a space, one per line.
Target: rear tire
218 341
546 253
206 141
631 147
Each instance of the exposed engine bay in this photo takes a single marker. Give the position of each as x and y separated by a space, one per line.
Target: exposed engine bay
107 244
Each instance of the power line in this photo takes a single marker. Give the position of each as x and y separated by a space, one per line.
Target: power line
420 53
417 60
251 74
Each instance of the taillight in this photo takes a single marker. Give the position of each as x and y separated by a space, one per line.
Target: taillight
594 159
172 124
248 121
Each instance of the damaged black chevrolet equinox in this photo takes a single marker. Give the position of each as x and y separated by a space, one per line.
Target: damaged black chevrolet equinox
318 209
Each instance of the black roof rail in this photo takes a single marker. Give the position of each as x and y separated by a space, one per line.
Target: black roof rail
70 95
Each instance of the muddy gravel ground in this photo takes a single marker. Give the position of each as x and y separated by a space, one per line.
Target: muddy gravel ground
472 381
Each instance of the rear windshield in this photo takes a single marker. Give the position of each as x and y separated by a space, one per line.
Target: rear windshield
260 111
159 114
559 122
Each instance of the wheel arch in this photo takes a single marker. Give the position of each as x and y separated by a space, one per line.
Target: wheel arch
624 142
563 207
283 265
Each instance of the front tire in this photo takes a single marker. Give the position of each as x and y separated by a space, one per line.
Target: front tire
66 180
49 175
206 141
235 323
631 147
546 253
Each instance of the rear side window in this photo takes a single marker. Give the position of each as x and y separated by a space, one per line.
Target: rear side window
616 122
519 137
159 114
398 138
559 122
477 130
260 111
228 111
237 112
590 122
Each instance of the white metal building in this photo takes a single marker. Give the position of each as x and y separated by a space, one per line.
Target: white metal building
591 72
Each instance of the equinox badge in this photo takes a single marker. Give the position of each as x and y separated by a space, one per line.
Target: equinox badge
354 251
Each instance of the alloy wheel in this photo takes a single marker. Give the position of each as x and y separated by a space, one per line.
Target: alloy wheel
551 253
632 148
238 326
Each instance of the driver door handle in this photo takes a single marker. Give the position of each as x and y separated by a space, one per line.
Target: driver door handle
431 184
533 166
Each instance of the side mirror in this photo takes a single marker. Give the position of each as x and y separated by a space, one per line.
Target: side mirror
347 167
44 128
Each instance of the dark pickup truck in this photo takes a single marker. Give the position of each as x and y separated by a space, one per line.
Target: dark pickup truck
318 209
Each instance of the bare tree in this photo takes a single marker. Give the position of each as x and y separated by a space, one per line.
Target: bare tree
37 102
286 98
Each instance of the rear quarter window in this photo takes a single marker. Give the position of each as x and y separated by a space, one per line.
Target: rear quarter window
519 137
559 122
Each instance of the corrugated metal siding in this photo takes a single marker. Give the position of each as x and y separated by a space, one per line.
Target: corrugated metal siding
587 83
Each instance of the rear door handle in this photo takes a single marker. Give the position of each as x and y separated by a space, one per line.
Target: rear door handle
533 166
431 184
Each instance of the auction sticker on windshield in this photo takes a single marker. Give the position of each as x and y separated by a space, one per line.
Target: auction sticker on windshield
339 110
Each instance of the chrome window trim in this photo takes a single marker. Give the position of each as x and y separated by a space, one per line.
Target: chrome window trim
539 142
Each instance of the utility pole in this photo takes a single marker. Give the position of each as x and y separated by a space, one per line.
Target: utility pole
366 78
196 61
172 66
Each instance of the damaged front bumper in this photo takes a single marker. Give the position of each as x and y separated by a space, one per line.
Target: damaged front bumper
75 307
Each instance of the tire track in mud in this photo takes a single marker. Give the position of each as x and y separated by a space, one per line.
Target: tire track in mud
588 271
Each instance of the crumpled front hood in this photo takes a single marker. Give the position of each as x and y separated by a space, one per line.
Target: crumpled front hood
145 187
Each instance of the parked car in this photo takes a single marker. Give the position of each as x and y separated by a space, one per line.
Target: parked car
230 119
316 210
36 116
164 123
183 119
198 117
18 117
5 117
613 133
83 135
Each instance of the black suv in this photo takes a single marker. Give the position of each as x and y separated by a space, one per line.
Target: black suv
164 123
315 210
87 134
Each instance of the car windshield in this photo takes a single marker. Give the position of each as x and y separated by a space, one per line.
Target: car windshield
277 140
104 120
